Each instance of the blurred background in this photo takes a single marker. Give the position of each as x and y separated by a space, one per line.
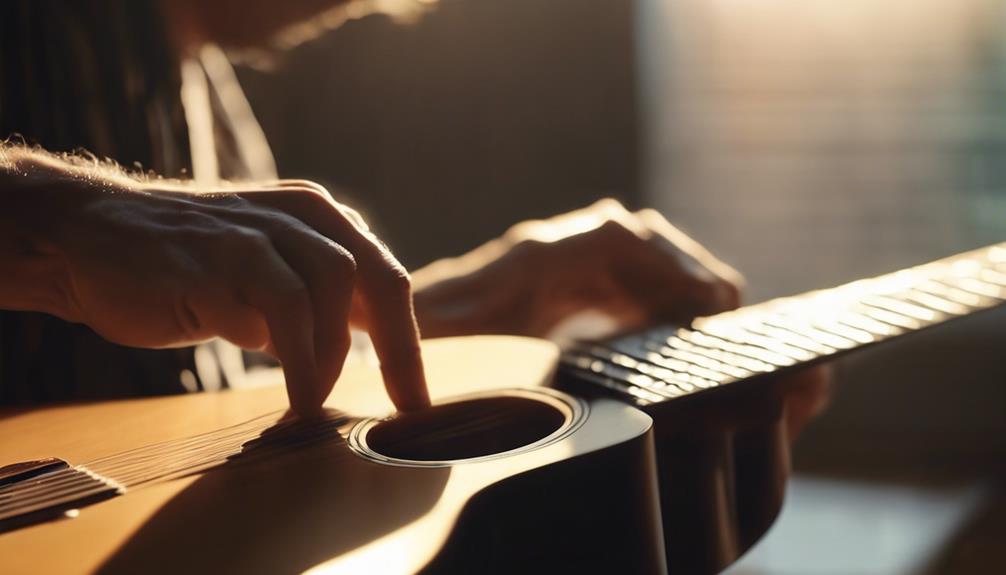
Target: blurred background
807 143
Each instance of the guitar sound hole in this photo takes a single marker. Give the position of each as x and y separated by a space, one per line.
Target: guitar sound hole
465 429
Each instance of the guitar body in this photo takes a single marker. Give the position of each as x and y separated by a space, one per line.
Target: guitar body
584 496
663 450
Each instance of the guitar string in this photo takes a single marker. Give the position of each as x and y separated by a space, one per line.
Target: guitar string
197 458
83 491
48 480
236 447
68 497
753 347
173 443
162 466
111 467
206 450
189 465
205 460
166 448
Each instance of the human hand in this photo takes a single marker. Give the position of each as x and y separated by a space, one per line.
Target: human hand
279 267
635 268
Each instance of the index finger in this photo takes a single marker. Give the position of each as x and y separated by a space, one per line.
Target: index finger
391 323
384 287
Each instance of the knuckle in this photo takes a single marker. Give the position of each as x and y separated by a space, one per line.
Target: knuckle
718 295
397 278
614 230
733 277
527 247
650 215
339 260
311 186
292 293
732 293
354 216
610 206
250 238
315 193
519 232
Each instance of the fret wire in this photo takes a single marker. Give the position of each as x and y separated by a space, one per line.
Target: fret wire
739 335
993 277
642 396
639 380
788 331
891 318
955 294
900 307
789 337
858 335
997 254
979 287
681 378
937 303
713 363
606 371
670 376
741 362
808 329
664 356
759 353
869 324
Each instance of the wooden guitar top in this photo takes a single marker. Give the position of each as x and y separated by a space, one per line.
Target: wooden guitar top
321 507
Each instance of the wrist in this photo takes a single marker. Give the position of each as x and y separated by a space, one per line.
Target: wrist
42 198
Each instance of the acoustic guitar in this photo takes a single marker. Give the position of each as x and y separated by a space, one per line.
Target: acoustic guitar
659 451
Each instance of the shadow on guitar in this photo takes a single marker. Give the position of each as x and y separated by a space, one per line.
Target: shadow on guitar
278 510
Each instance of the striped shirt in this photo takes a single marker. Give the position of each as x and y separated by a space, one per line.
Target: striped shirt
100 76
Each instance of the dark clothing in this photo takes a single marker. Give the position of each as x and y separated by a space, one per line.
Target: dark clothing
95 76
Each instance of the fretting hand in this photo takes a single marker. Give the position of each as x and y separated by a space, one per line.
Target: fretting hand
634 268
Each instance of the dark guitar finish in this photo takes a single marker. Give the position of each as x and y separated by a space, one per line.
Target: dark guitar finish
712 389
657 451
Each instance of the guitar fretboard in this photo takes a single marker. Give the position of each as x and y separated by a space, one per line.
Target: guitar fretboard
668 362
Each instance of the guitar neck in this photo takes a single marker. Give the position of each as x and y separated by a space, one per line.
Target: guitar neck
667 362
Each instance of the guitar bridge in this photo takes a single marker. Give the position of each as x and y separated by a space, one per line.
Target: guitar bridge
43 490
